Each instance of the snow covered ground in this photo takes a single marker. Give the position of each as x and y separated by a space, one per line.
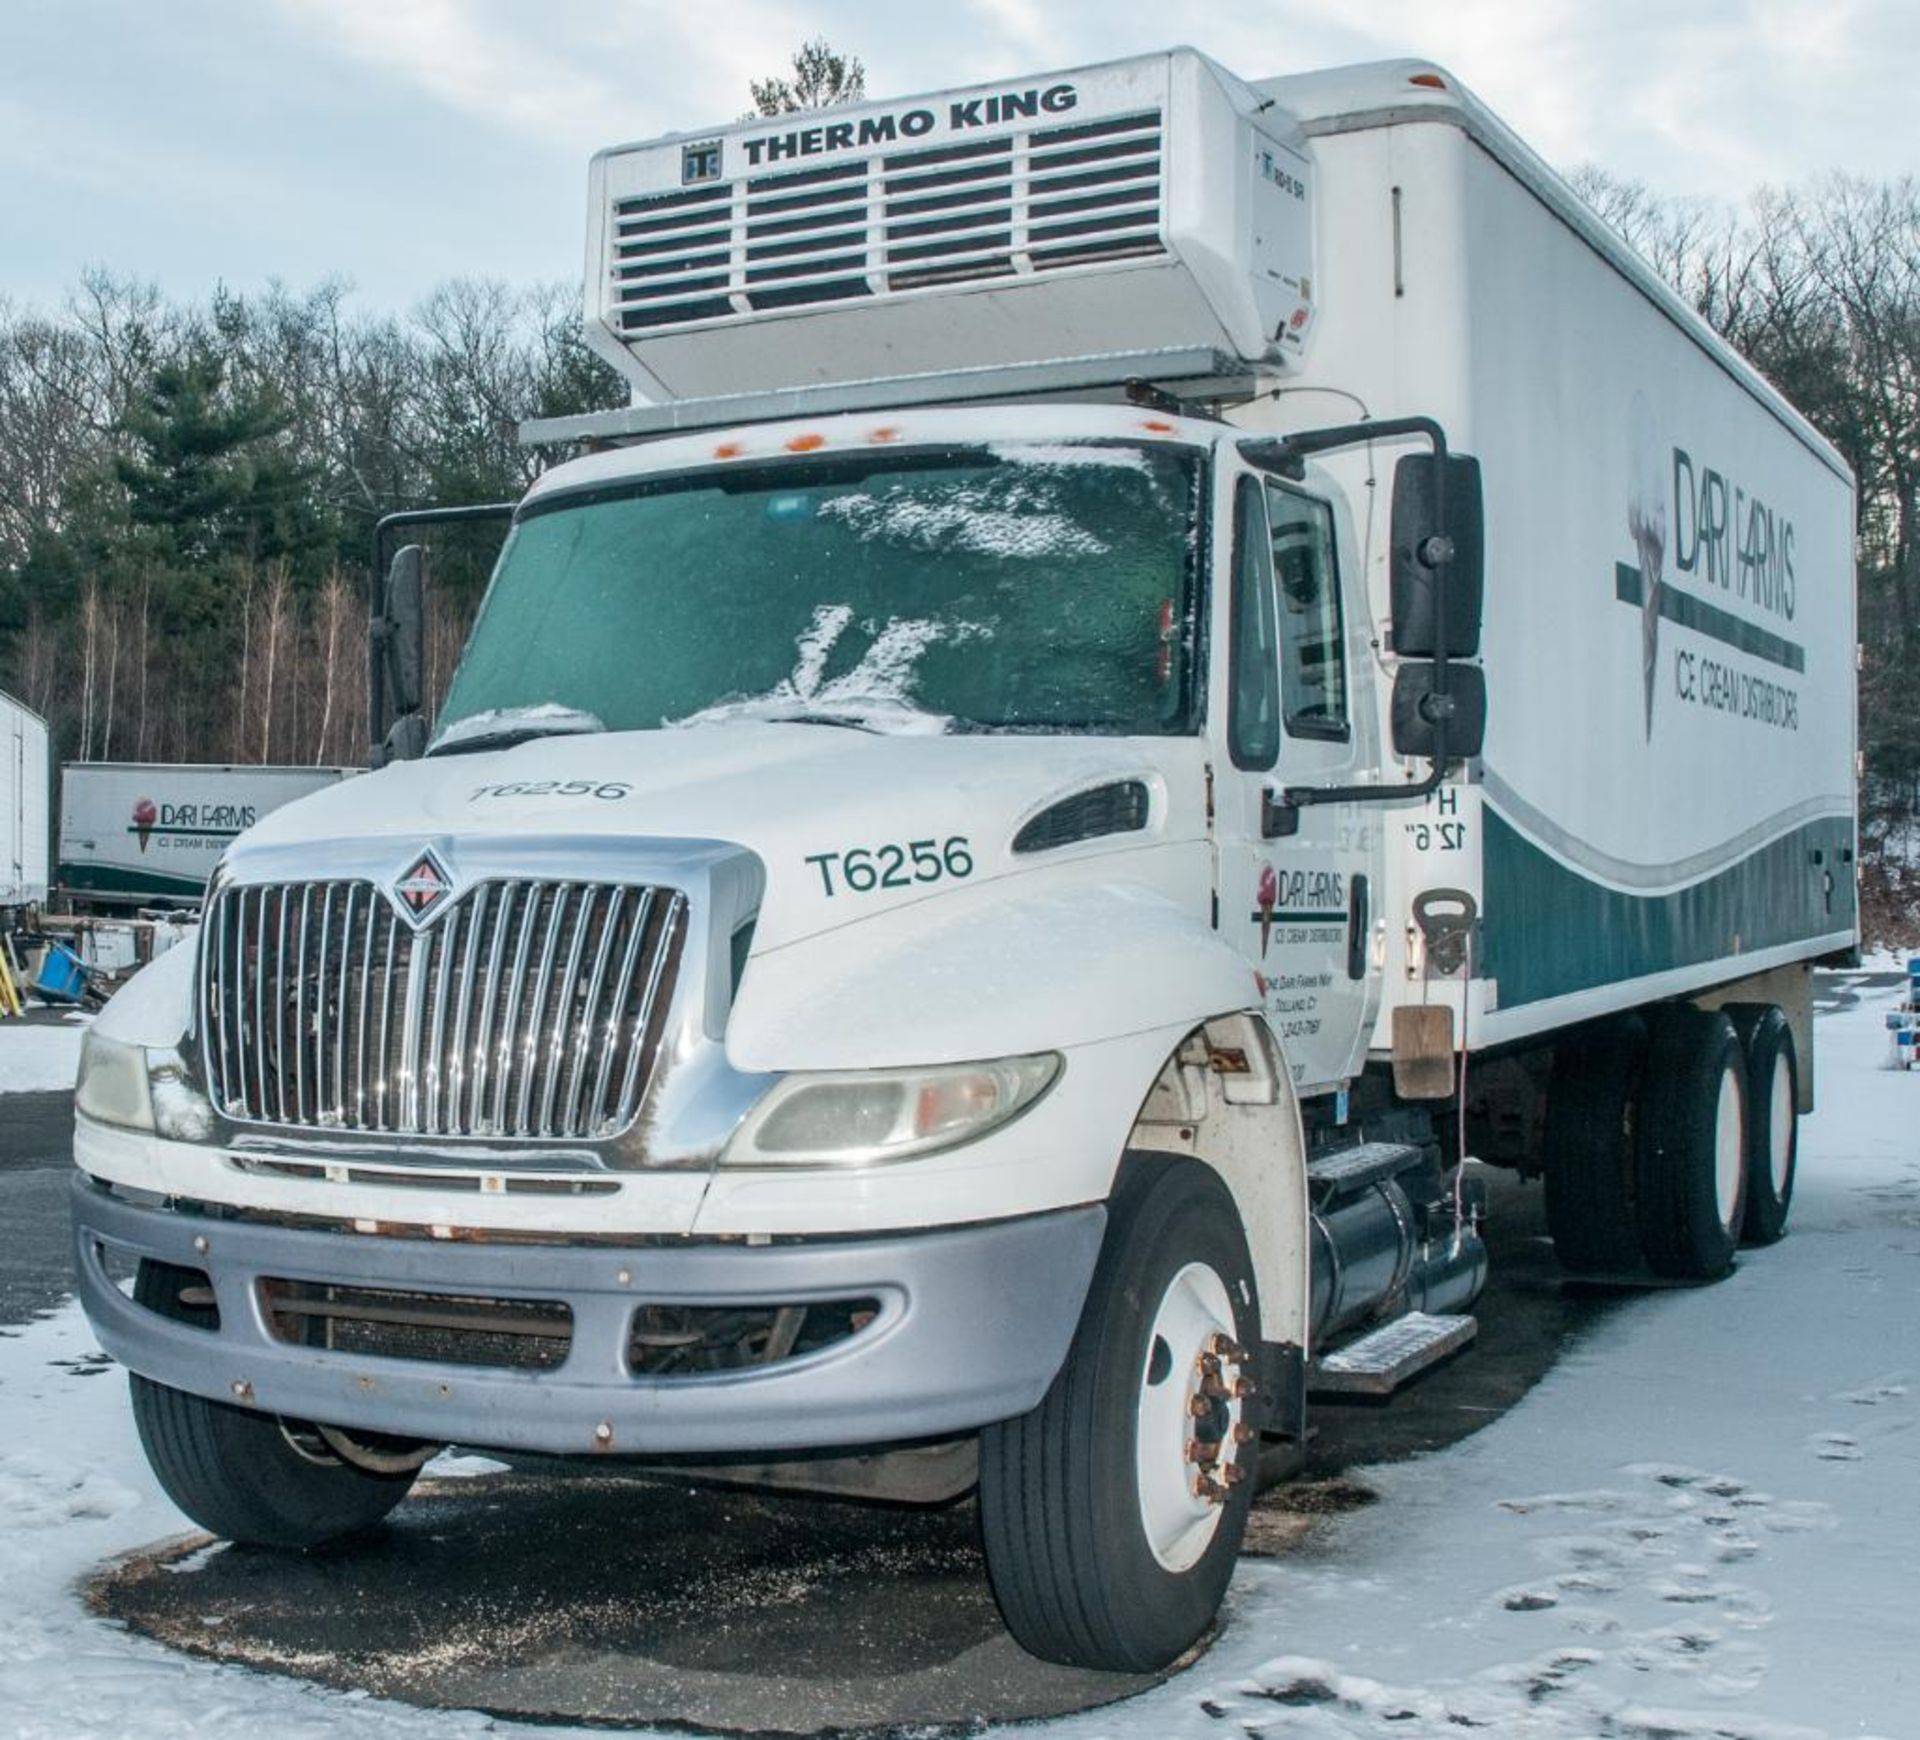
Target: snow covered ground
35 1057
1701 1526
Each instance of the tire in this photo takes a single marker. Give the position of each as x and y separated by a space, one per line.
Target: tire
1101 1550
1773 1121
1592 1115
246 1476
1691 1172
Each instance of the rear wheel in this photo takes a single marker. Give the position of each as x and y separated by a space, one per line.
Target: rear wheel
253 1477
1592 1103
1691 1175
1773 1122
1113 1512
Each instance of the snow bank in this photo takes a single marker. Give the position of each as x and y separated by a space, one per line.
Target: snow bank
37 1059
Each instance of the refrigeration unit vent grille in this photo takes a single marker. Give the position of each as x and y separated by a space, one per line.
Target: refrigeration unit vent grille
1027 203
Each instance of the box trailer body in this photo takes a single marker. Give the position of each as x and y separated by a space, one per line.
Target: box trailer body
25 774
991 864
1666 798
145 833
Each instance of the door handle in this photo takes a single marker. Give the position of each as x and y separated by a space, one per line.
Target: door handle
1357 921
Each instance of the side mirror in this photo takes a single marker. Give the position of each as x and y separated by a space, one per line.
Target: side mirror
406 739
1417 709
403 637
1418 521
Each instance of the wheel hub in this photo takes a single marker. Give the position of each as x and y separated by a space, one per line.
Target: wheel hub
1192 1443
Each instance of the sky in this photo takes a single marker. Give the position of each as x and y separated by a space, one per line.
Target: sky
397 143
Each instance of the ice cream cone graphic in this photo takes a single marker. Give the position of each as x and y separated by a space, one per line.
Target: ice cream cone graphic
1266 900
144 816
1647 522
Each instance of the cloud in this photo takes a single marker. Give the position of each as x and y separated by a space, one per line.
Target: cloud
403 141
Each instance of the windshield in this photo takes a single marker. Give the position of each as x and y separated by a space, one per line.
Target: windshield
1024 587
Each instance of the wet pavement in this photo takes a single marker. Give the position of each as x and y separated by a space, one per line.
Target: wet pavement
564 1591
36 1158
616 1599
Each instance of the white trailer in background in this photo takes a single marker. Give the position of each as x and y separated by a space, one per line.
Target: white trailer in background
26 772
937 923
150 833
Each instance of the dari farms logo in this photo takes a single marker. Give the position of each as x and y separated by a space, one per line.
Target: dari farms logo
190 825
1716 559
422 889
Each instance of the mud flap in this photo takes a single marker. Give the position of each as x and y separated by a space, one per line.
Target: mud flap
1423 1051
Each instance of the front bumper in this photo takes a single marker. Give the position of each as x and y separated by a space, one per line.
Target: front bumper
973 1323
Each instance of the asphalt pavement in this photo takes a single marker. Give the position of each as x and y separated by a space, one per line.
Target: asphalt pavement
36 1157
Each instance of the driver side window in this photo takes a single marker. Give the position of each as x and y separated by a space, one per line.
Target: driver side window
1313 663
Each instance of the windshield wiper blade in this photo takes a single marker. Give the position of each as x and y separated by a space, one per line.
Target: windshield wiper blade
512 725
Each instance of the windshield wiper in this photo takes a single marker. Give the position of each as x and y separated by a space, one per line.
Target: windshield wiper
883 716
507 726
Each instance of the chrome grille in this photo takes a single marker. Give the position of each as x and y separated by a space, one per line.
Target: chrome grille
1022 203
526 1010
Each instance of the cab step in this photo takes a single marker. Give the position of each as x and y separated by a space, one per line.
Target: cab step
1394 1354
1348 1171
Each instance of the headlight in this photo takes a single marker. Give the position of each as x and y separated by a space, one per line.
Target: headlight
868 1116
138 1089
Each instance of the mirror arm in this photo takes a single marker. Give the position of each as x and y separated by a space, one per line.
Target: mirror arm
1287 455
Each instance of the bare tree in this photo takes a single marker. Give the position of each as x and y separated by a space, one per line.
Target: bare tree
822 77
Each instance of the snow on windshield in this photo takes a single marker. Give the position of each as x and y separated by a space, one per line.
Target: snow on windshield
547 717
997 516
877 691
1071 453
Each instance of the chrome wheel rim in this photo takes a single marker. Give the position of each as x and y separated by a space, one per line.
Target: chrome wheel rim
1729 1150
1780 1127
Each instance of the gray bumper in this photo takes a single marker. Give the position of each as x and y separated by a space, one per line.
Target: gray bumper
974 1322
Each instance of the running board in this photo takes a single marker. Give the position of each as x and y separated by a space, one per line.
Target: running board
1394 1354
1348 1171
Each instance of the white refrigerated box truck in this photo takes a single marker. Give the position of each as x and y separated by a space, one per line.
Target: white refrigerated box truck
150 833
25 774
1157 666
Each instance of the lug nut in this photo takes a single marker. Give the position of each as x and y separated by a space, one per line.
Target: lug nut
1234 1473
1243 1434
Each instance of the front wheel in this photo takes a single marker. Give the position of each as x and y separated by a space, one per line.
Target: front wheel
1113 1512
252 1477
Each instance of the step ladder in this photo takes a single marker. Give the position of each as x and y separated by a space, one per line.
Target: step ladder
1381 1361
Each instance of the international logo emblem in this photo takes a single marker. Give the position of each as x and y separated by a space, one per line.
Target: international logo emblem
422 889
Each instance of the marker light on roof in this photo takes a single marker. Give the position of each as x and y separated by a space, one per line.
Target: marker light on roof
806 443
1428 80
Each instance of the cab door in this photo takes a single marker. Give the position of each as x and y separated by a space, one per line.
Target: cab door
1298 889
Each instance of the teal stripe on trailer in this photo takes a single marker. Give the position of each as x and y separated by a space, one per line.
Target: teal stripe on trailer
130 884
1550 931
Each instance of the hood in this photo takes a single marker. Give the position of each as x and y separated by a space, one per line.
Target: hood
801 797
